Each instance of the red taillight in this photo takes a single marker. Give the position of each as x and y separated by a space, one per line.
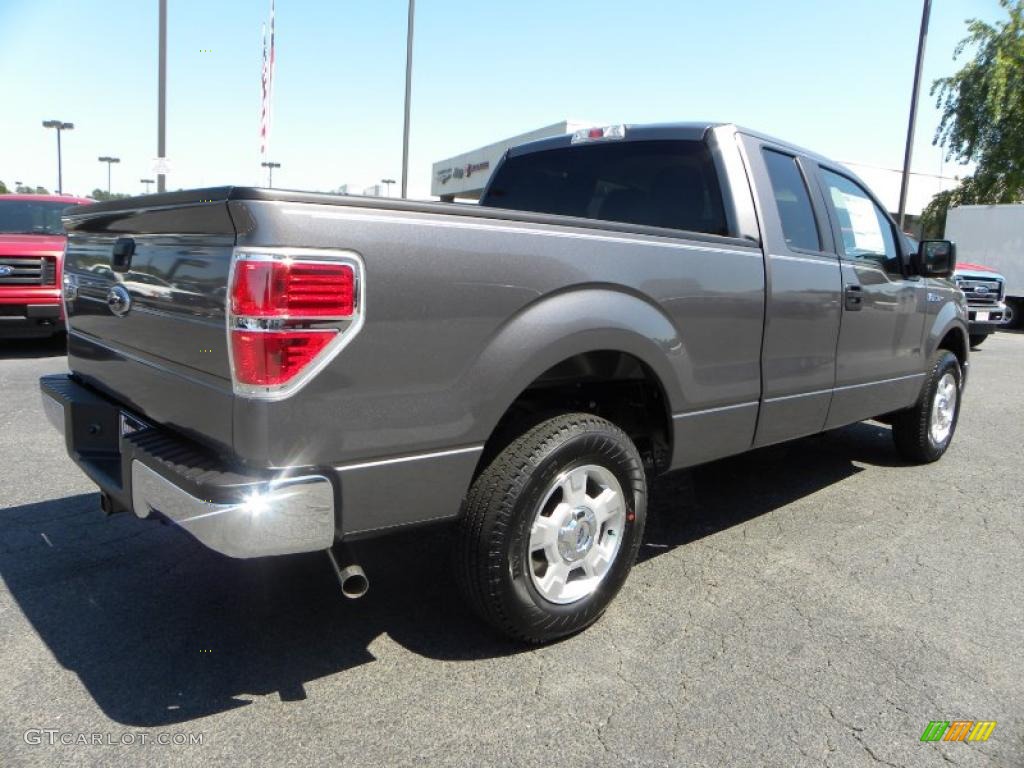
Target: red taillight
293 289
289 311
267 359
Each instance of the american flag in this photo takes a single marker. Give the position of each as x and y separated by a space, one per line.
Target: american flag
267 84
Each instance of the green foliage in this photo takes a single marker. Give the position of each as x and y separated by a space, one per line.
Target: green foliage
982 121
99 194
933 217
3 188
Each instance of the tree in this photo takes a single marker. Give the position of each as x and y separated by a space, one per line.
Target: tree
99 194
982 117
3 188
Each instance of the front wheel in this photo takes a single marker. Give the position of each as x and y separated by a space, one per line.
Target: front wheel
551 527
924 431
977 338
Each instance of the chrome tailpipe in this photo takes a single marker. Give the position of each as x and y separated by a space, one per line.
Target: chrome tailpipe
351 577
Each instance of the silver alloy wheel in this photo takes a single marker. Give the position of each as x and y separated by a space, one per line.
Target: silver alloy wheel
576 533
943 409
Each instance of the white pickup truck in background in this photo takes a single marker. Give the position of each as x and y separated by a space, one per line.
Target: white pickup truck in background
990 249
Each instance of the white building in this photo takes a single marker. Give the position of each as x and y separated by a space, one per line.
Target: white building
466 175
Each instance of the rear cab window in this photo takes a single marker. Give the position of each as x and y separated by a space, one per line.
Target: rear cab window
671 184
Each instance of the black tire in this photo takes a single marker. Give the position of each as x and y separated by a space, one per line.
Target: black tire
977 338
493 558
911 428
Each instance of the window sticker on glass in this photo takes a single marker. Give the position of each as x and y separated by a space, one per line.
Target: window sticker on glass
864 229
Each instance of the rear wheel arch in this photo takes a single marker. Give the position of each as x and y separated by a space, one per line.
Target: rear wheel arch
599 330
610 383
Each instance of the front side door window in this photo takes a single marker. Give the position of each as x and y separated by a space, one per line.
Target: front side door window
866 233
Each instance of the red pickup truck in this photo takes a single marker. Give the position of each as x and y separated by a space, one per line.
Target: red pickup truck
31 264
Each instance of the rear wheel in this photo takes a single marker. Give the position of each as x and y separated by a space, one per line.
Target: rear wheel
551 527
924 432
977 338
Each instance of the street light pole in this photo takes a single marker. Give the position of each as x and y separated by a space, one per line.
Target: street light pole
387 183
147 182
408 98
109 161
922 39
60 126
270 173
161 119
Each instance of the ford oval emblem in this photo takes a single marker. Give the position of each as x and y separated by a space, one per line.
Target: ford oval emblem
6 270
119 300
981 289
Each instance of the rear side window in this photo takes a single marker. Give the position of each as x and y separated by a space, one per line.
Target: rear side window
792 201
670 184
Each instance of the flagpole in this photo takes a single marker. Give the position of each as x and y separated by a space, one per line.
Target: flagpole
267 88
263 90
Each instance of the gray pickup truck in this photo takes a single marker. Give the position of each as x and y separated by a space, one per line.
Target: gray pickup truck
281 372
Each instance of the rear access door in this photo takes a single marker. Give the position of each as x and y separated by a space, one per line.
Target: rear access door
798 355
145 288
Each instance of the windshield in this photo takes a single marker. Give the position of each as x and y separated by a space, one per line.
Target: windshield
31 217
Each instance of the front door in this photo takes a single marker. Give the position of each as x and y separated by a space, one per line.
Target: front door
880 355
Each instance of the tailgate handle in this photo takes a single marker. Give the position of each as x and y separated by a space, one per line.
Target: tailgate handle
121 260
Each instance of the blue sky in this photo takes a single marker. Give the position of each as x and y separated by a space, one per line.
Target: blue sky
832 76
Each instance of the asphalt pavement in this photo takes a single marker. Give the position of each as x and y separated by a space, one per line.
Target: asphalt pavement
816 604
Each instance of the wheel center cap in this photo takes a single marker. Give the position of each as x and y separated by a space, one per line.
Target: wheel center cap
576 536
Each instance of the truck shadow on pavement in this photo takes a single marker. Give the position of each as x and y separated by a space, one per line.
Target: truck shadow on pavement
161 631
26 349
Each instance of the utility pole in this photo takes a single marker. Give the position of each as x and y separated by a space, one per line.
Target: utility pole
270 173
922 39
387 185
147 182
408 98
109 161
161 119
60 126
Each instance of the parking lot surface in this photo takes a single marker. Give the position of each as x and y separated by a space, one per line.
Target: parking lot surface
816 603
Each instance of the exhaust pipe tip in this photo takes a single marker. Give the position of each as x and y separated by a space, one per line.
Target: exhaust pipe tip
352 577
354 583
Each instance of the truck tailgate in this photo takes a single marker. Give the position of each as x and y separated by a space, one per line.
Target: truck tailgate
153 335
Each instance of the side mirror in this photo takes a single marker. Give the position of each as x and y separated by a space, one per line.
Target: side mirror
935 258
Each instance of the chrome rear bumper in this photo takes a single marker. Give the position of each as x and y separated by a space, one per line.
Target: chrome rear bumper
152 472
280 517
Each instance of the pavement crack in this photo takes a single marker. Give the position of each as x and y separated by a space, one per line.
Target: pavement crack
871 752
